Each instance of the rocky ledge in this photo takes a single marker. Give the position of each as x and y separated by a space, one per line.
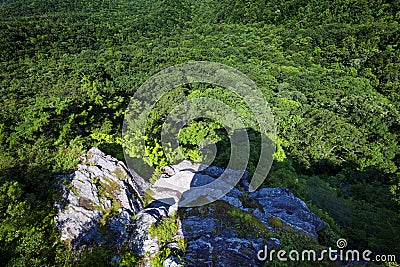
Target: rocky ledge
104 205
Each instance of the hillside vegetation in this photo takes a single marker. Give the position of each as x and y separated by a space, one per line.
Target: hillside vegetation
329 69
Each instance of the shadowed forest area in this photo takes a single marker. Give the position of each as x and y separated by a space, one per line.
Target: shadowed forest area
330 71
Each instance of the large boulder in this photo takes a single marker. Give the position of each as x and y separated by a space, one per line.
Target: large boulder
102 204
232 230
282 204
266 202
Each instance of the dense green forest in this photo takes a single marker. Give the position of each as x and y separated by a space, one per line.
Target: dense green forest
329 69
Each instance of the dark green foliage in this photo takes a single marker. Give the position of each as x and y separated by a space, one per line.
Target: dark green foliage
330 70
96 256
128 259
165 231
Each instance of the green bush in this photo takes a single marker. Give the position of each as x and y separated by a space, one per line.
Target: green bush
165 230
129 259
96 256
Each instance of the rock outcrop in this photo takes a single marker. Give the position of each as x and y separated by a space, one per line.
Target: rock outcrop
103 204
101 196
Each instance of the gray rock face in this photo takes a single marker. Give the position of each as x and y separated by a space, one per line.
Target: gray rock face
172 262
100 195
281 203
211 238
102 204
272 202
141 242
185 186
209 245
